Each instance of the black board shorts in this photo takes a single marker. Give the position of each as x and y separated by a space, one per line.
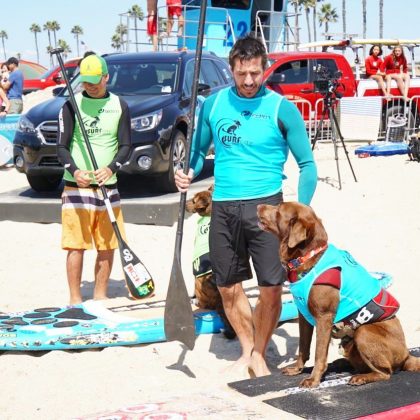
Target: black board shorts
235 237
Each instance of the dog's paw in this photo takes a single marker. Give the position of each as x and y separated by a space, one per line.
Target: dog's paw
357 380
291 370
309 382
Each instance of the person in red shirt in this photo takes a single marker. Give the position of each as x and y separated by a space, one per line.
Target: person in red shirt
374 65
174 9
395 67
152 22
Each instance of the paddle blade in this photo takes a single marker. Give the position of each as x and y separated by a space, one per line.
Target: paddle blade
139 281
179 318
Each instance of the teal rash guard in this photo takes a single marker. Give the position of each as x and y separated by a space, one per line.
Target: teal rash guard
250 149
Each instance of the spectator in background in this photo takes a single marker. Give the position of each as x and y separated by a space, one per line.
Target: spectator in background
395 67
152 22
14 86
4 103
4 73
374 67
175 9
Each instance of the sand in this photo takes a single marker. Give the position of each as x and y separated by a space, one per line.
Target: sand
376 219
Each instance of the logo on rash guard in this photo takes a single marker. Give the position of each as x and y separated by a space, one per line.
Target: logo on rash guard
227 131
91 125
249 114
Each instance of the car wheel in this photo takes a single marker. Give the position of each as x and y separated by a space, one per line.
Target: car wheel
44 182
166 181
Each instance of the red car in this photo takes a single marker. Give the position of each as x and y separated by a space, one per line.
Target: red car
47 78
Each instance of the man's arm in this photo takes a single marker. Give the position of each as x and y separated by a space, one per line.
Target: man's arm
297 139
66 120
202 137
124 139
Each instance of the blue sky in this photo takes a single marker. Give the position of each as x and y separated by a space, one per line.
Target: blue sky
99 19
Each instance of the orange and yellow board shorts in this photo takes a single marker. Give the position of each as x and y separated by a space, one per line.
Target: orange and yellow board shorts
85 220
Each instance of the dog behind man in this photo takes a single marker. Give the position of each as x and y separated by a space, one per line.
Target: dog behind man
206 292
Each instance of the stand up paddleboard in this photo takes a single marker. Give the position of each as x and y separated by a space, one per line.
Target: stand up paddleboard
112 322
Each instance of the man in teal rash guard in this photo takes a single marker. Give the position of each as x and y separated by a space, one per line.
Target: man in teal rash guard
253 129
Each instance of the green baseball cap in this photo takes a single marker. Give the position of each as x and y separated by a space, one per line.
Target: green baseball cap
92 68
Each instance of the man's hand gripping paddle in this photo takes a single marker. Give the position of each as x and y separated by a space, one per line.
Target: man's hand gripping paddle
139 282
179 319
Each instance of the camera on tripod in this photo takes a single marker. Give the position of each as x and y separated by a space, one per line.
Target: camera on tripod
325 83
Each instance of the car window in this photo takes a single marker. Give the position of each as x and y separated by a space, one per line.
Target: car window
328 64
293 72
70 71
225 70
142 78
189 75
211 74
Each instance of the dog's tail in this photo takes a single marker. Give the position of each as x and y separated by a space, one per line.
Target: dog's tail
412 364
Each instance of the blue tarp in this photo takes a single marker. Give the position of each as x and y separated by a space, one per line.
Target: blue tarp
383 149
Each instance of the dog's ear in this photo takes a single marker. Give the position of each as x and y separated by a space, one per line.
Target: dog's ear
298 232
211 188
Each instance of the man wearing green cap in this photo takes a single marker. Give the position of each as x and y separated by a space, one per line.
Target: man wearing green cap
85 221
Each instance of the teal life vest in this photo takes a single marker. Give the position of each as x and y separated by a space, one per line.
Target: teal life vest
358 286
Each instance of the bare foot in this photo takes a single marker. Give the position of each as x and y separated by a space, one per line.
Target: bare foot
258 365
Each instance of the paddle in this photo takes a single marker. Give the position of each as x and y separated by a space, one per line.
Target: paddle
139 282
178 318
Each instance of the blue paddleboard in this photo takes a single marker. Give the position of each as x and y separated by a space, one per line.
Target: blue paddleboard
112 322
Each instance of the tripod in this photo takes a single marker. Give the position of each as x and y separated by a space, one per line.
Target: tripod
328 111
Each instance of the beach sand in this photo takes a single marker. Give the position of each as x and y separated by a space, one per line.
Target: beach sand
376 219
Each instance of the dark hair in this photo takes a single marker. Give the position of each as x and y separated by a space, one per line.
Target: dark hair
372 47
86 54
12 60
246 49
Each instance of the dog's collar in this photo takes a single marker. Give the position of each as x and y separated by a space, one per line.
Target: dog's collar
294 264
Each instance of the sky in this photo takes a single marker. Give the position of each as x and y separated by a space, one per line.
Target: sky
99 19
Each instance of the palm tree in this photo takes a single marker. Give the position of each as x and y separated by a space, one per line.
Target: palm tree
116 41
308 5
3 36
36 29
77 31
364 25
48 27
66 47
55 26
381 18
314 18
137 13
121 30
327 15
343 17
297 4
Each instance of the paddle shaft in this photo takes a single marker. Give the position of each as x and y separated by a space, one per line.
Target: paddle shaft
179 320
190 130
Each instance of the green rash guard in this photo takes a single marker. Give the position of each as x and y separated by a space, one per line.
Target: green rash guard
250 149
104 120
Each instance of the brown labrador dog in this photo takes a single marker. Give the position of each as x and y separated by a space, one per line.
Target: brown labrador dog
206 291
323 282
